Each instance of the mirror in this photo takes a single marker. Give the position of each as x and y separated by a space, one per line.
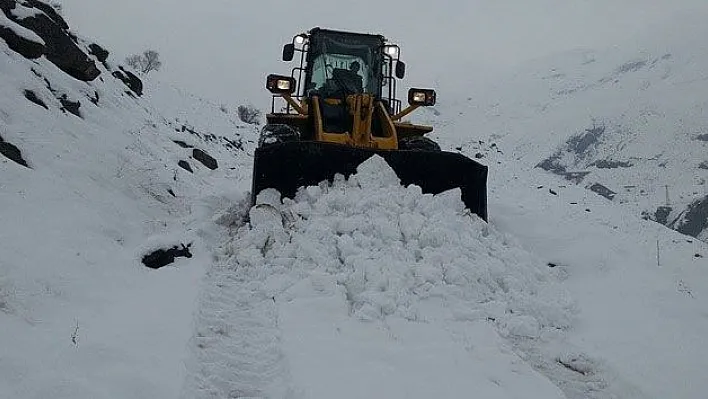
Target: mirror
288 52
400 69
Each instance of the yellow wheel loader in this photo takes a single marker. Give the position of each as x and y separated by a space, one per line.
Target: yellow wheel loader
339 107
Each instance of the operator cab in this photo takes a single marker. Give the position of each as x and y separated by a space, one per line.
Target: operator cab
342 63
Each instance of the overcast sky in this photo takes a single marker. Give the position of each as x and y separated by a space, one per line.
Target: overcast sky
223 49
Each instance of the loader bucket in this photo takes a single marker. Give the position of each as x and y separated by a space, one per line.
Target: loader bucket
290 165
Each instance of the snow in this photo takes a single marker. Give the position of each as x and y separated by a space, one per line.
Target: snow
359 288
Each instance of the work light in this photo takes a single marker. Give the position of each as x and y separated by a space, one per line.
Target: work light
421 97
278 84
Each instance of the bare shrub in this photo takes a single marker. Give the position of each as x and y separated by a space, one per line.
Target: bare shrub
148 61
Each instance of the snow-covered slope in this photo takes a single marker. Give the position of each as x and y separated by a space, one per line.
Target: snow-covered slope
78 310
627 122
362 288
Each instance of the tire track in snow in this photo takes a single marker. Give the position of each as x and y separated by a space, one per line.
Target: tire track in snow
235 352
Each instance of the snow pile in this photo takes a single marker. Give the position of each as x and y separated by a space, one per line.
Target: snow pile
392 249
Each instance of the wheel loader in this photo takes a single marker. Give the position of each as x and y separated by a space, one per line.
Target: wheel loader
338 107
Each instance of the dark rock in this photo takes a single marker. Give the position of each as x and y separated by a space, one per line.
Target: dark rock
205 159
185 165
99 52
703 165
579 144
702 137
50 11
606 164
32 96
479 155
603 191
129 79
697 256
552 164
94 99
12 152
631 66
233 145
662 214
163 257
70 106
60 45
694 219
172 193
25 47
550 190
182 144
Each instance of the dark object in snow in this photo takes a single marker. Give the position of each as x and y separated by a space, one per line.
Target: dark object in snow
182 144
185 165
479 155
70 106
703 165
603 191
163 257
552 265
32 96
99 52
25 47
697 256
205 158
130 79
702 137
550 190
12 152
94 99
172 193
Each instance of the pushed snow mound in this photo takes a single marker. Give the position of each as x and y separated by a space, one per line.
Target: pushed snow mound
363 277
392 249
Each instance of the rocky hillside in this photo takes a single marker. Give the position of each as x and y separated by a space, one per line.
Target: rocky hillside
628 122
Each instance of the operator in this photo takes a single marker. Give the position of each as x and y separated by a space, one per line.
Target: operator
357 80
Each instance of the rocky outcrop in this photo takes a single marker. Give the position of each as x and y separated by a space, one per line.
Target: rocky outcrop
25 46
130 79
60 46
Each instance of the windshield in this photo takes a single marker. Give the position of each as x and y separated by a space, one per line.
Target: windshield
339 69
343 64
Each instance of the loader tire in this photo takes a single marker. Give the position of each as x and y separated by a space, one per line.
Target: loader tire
418 143
276 134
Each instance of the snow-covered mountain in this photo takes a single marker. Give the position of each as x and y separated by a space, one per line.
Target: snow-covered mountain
627 122
361 288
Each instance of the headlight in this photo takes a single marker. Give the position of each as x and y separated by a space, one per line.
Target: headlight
421 97
278 84
299 39
391 51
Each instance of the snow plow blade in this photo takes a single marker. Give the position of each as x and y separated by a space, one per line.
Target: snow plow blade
290 165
